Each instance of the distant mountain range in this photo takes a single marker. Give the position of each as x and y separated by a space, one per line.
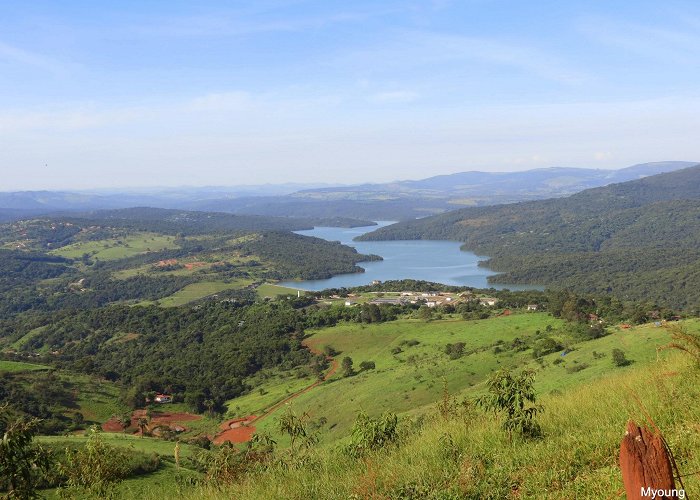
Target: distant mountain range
637 239
401 200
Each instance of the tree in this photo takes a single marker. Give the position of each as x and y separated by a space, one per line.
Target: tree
96 467
142 422
346 365
20 459
295 427
513 395
367 365
373 433
619 358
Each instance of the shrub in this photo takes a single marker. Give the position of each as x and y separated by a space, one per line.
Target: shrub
576 368
367 365
619 358
514 395
455 351
370 434
22 463
97 466
346 366
546 346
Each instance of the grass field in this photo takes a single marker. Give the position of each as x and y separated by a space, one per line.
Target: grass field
409 381
146 444
270 388
97 399
197 291
118 248
269 290
470 456
18 366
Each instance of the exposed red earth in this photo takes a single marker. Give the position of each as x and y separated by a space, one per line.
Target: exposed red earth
241 430
158 418
237 430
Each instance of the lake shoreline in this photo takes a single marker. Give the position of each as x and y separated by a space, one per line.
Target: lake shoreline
428 260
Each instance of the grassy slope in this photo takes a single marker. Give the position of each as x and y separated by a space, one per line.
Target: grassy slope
275 387
408 382
199 290
467 456
111 249
472 457
18 366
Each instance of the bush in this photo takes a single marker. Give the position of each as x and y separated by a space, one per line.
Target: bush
545 346
510 394
370 434
367 365
346 365
97 466
576 368
455 351
619 358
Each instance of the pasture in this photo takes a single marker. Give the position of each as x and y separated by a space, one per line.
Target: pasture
118 248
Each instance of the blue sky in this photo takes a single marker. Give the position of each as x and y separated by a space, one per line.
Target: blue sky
155 93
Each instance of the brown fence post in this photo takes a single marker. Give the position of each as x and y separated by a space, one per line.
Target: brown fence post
645 464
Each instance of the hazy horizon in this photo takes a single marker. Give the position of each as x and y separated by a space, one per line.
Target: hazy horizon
291 184
180 94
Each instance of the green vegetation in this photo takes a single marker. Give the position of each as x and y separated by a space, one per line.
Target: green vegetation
141 256
638 240
18 366
118 248
199 290
466 455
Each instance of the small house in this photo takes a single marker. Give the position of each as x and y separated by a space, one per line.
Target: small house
163 398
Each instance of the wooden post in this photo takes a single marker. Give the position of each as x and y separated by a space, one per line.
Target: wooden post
645 464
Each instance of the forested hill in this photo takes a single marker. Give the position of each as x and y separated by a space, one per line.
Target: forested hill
195 222
637 239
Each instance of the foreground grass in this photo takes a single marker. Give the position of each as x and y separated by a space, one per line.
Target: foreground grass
470 456
411 380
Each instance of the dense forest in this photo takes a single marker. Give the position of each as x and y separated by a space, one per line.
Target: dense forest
636 239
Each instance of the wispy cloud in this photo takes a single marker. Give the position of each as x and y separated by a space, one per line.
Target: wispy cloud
26 58
666 44
255 21
415 49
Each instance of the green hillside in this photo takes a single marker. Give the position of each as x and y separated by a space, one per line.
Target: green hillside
638 239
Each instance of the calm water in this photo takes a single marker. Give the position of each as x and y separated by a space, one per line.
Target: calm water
437 261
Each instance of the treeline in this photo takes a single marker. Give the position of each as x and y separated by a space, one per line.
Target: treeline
303 257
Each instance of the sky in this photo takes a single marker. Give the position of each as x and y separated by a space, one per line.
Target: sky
172 93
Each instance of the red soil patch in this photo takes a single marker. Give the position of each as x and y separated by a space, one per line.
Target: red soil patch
236 430
112 425
239 430
171 420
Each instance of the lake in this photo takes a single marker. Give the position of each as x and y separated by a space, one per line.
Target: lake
437 261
